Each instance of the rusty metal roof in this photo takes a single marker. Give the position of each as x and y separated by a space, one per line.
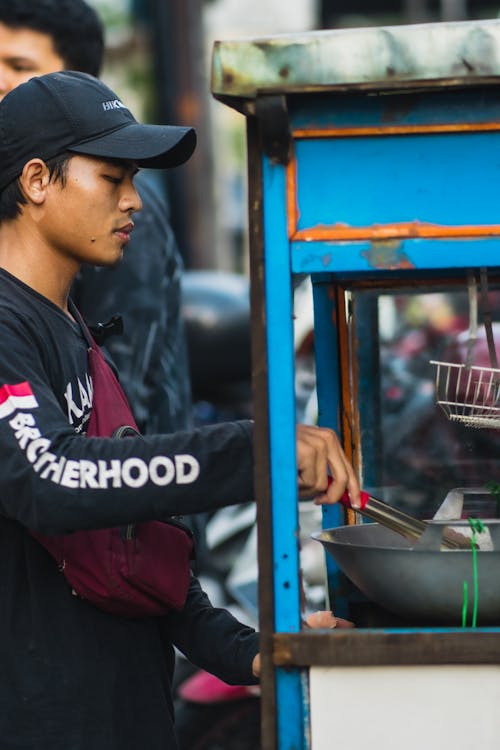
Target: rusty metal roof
363 58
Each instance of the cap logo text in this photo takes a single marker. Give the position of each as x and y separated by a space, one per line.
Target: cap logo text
113 104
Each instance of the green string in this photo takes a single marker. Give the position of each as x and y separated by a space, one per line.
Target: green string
477 527
464 605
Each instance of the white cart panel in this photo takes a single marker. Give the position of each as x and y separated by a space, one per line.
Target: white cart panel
389 708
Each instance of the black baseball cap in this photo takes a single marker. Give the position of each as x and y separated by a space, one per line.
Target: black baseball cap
72 111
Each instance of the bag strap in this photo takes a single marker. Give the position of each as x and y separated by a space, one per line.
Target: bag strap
84 329
110 408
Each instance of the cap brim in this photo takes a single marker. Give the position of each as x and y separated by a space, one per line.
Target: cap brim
152 146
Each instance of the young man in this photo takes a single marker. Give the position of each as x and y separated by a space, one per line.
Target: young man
72 675
44 36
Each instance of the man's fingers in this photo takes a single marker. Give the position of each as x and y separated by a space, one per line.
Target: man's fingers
320 459
326 619
347 482
312 463
256 665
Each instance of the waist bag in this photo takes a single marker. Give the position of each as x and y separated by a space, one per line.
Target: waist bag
142 569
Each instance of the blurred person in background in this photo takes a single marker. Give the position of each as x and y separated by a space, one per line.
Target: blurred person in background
45 36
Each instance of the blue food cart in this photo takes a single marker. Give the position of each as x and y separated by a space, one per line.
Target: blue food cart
374 168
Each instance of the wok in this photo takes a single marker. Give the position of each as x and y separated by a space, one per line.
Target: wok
419 580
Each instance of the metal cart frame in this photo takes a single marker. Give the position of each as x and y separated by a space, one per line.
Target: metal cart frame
302 96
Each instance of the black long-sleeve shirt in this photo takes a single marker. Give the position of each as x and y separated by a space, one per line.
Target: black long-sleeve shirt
73 677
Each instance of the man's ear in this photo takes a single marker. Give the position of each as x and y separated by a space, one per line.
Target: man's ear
34 180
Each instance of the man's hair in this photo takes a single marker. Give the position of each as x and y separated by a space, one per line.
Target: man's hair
12 198
76 31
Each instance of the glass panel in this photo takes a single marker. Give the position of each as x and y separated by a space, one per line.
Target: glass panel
413 454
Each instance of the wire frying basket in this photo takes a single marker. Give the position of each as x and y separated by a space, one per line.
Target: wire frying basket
470 395
467 393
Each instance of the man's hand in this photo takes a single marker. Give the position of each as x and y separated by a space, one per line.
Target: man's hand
256 665
326 619
320 456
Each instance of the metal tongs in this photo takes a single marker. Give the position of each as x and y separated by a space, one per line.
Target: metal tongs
400 522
